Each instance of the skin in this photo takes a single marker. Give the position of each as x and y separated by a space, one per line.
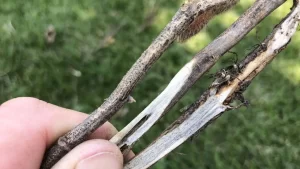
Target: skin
29 126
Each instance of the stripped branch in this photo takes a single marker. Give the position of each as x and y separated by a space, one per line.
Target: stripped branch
191 14
192 71
216 99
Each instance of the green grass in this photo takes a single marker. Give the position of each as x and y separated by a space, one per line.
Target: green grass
75 73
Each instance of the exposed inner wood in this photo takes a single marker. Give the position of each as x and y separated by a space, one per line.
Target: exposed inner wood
119 97
191 72
215 101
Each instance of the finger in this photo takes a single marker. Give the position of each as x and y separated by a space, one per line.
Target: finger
106 131
29 125
129 156
92 154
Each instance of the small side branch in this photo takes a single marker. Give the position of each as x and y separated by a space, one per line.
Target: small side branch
192 71
216 99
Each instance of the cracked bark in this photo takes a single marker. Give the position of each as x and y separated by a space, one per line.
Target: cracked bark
216 99
192 71
185 16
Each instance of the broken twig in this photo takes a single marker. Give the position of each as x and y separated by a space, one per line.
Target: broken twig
216 99
183 19
192 71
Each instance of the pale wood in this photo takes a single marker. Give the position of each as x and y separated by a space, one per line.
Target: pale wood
192 71
190 11
215 101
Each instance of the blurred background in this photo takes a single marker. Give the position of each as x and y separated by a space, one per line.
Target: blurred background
96 42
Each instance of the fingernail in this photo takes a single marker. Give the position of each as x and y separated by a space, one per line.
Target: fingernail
100 161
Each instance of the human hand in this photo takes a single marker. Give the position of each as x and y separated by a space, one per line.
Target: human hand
29 126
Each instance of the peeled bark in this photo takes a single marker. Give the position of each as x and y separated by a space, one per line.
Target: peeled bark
185 16
217 98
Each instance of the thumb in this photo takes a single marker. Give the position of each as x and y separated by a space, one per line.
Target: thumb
92 154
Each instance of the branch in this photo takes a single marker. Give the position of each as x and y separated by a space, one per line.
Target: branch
192 71
216 99
186 18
